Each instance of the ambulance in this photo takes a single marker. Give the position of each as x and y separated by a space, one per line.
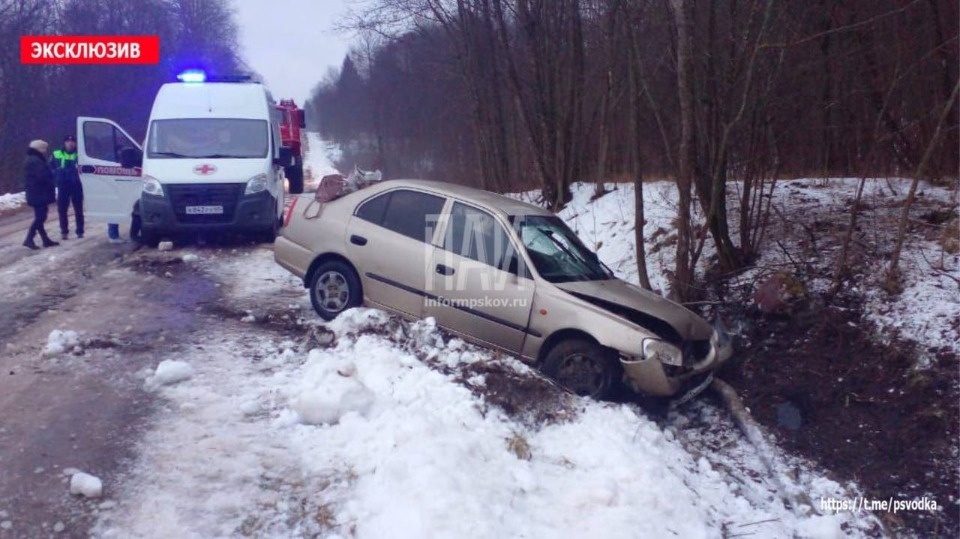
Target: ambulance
211 164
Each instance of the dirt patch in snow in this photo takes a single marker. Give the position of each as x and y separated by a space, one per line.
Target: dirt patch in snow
526 397
278 320
821 381
158 264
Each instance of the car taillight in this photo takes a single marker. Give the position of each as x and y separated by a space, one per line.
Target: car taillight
286 220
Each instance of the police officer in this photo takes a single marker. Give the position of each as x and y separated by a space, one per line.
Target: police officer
69 188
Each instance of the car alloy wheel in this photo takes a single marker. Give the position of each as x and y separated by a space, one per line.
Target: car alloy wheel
583 367
582 375
332 291
334 288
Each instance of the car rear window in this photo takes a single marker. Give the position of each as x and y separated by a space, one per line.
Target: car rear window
372 210
411 213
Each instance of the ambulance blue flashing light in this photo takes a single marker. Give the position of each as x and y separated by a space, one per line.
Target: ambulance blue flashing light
192 75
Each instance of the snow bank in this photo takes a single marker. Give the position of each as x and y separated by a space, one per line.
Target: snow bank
330 391
86 485
60 341
12 201
367 438
168 372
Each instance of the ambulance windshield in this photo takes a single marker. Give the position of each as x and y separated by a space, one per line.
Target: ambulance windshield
208 138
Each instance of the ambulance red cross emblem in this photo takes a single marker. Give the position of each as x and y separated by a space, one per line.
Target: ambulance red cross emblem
204 169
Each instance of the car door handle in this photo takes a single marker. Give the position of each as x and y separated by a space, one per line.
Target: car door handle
444 270
358 240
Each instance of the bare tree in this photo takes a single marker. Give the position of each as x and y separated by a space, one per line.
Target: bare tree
683 288
917 175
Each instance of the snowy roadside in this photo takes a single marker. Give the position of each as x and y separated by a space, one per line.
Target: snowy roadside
319 160
810 373
377 428
12 201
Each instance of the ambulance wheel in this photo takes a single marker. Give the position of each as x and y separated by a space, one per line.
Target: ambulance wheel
150 239
271 234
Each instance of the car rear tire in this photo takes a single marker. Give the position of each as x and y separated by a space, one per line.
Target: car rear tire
334 288
584 368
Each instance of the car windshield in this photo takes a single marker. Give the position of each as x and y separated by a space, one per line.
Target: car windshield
555 250
209 138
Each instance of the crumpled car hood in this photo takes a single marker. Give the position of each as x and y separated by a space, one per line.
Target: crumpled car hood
665 318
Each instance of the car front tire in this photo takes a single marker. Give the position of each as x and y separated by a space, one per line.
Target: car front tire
150 239
334 288
583 368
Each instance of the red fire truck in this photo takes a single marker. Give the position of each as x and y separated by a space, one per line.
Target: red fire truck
292 120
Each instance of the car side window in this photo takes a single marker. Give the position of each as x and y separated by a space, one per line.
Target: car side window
475 234
372 210
413 214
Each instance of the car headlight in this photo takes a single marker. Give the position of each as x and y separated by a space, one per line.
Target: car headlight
256 184
667 353
152 187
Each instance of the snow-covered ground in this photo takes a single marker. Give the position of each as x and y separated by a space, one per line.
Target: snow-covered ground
12 201
319 160
372 427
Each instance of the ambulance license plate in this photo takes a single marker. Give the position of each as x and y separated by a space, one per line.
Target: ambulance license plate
204 210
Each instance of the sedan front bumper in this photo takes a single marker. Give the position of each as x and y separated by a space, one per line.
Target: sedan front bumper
651 377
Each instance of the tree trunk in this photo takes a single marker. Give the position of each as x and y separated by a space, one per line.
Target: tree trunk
917 175
636 157
682 286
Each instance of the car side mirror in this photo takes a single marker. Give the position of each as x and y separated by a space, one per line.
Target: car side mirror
303 119
285 158
131 158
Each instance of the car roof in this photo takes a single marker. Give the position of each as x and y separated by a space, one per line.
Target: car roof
504 205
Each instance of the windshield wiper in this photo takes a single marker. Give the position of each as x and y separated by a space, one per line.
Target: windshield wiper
222 156
170 154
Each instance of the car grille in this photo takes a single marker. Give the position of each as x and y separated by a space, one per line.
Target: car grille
183 195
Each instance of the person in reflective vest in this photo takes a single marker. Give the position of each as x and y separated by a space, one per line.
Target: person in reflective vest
69 189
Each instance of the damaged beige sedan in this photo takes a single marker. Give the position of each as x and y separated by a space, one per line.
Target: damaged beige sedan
500 273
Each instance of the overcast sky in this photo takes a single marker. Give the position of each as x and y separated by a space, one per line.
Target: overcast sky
292 42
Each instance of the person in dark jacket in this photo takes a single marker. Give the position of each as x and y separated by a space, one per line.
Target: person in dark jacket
40 191
69 188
